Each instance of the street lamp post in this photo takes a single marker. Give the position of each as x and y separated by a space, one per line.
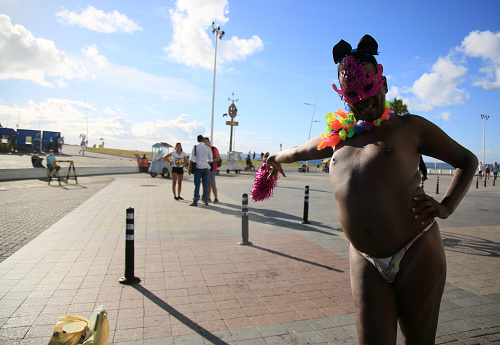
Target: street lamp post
218 34
312 120
484 117
435 160
87 120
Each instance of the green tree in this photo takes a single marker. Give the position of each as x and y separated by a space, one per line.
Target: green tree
398 107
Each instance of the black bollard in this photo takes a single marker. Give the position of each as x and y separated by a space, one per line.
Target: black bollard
129 277
244 221
485 181
306 207
477 182
437 185
494 179
422 184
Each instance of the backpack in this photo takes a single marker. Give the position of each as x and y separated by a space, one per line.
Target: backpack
219 163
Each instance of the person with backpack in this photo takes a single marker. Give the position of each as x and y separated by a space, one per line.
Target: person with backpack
213 170
201 157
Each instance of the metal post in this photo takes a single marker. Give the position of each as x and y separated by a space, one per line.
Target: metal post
494 179
310 126
129 277
437 185
231 140
485 181
477 182
306 207
484 118
244 221
218 34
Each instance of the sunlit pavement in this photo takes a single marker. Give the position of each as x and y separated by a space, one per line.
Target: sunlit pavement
199 286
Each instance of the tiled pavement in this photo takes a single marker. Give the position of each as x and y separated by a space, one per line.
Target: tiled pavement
29 211
198 286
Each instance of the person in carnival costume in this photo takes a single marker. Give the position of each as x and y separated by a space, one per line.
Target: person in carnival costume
396 255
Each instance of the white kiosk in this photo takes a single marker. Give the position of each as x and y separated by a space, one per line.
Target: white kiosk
234 162
159 164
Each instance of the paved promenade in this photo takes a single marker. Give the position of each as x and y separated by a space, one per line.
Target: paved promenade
70 152
198 286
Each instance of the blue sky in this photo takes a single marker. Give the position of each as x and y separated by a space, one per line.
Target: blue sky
142 72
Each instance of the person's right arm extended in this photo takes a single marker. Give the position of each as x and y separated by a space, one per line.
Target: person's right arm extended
304 152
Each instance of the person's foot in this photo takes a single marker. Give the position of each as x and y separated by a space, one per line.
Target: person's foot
206 203
179 198
176 198
209 199
193 204
216 201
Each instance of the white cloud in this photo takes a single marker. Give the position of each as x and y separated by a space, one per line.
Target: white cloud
131 79
446 116
416 106
440 87
193 40
35 59
69 117
164 129
484 45
97 20
112 112
393 93
92 53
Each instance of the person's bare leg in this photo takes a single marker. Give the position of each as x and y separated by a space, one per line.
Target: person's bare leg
174 182
419 287
179 184
214 190
374 301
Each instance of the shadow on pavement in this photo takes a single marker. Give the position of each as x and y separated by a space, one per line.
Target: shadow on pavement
178 315
470 245
297 259
277 218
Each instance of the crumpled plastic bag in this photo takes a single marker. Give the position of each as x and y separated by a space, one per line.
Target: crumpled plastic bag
99 328
74 330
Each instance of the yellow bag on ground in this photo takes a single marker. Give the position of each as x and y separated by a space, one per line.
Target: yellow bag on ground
74 330
99 328
69 330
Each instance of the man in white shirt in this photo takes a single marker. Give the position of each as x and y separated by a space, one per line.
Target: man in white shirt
202 157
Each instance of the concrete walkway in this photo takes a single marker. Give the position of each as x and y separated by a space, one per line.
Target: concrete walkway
20 160
199 286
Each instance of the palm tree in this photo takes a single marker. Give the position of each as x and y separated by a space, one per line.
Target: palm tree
398 107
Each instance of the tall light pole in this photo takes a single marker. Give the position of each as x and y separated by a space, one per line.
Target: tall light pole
87 120
312 118
435 160
218 34
484 117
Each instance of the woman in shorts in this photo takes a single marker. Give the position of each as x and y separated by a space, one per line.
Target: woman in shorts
178 160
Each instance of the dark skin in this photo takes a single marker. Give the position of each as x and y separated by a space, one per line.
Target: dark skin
381 207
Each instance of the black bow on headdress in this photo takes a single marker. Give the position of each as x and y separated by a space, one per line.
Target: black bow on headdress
367 45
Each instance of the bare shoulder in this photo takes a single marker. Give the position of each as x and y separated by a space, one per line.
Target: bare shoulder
434 142
418 124
415 119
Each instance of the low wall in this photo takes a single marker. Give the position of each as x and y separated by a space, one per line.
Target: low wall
43 173
440 171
